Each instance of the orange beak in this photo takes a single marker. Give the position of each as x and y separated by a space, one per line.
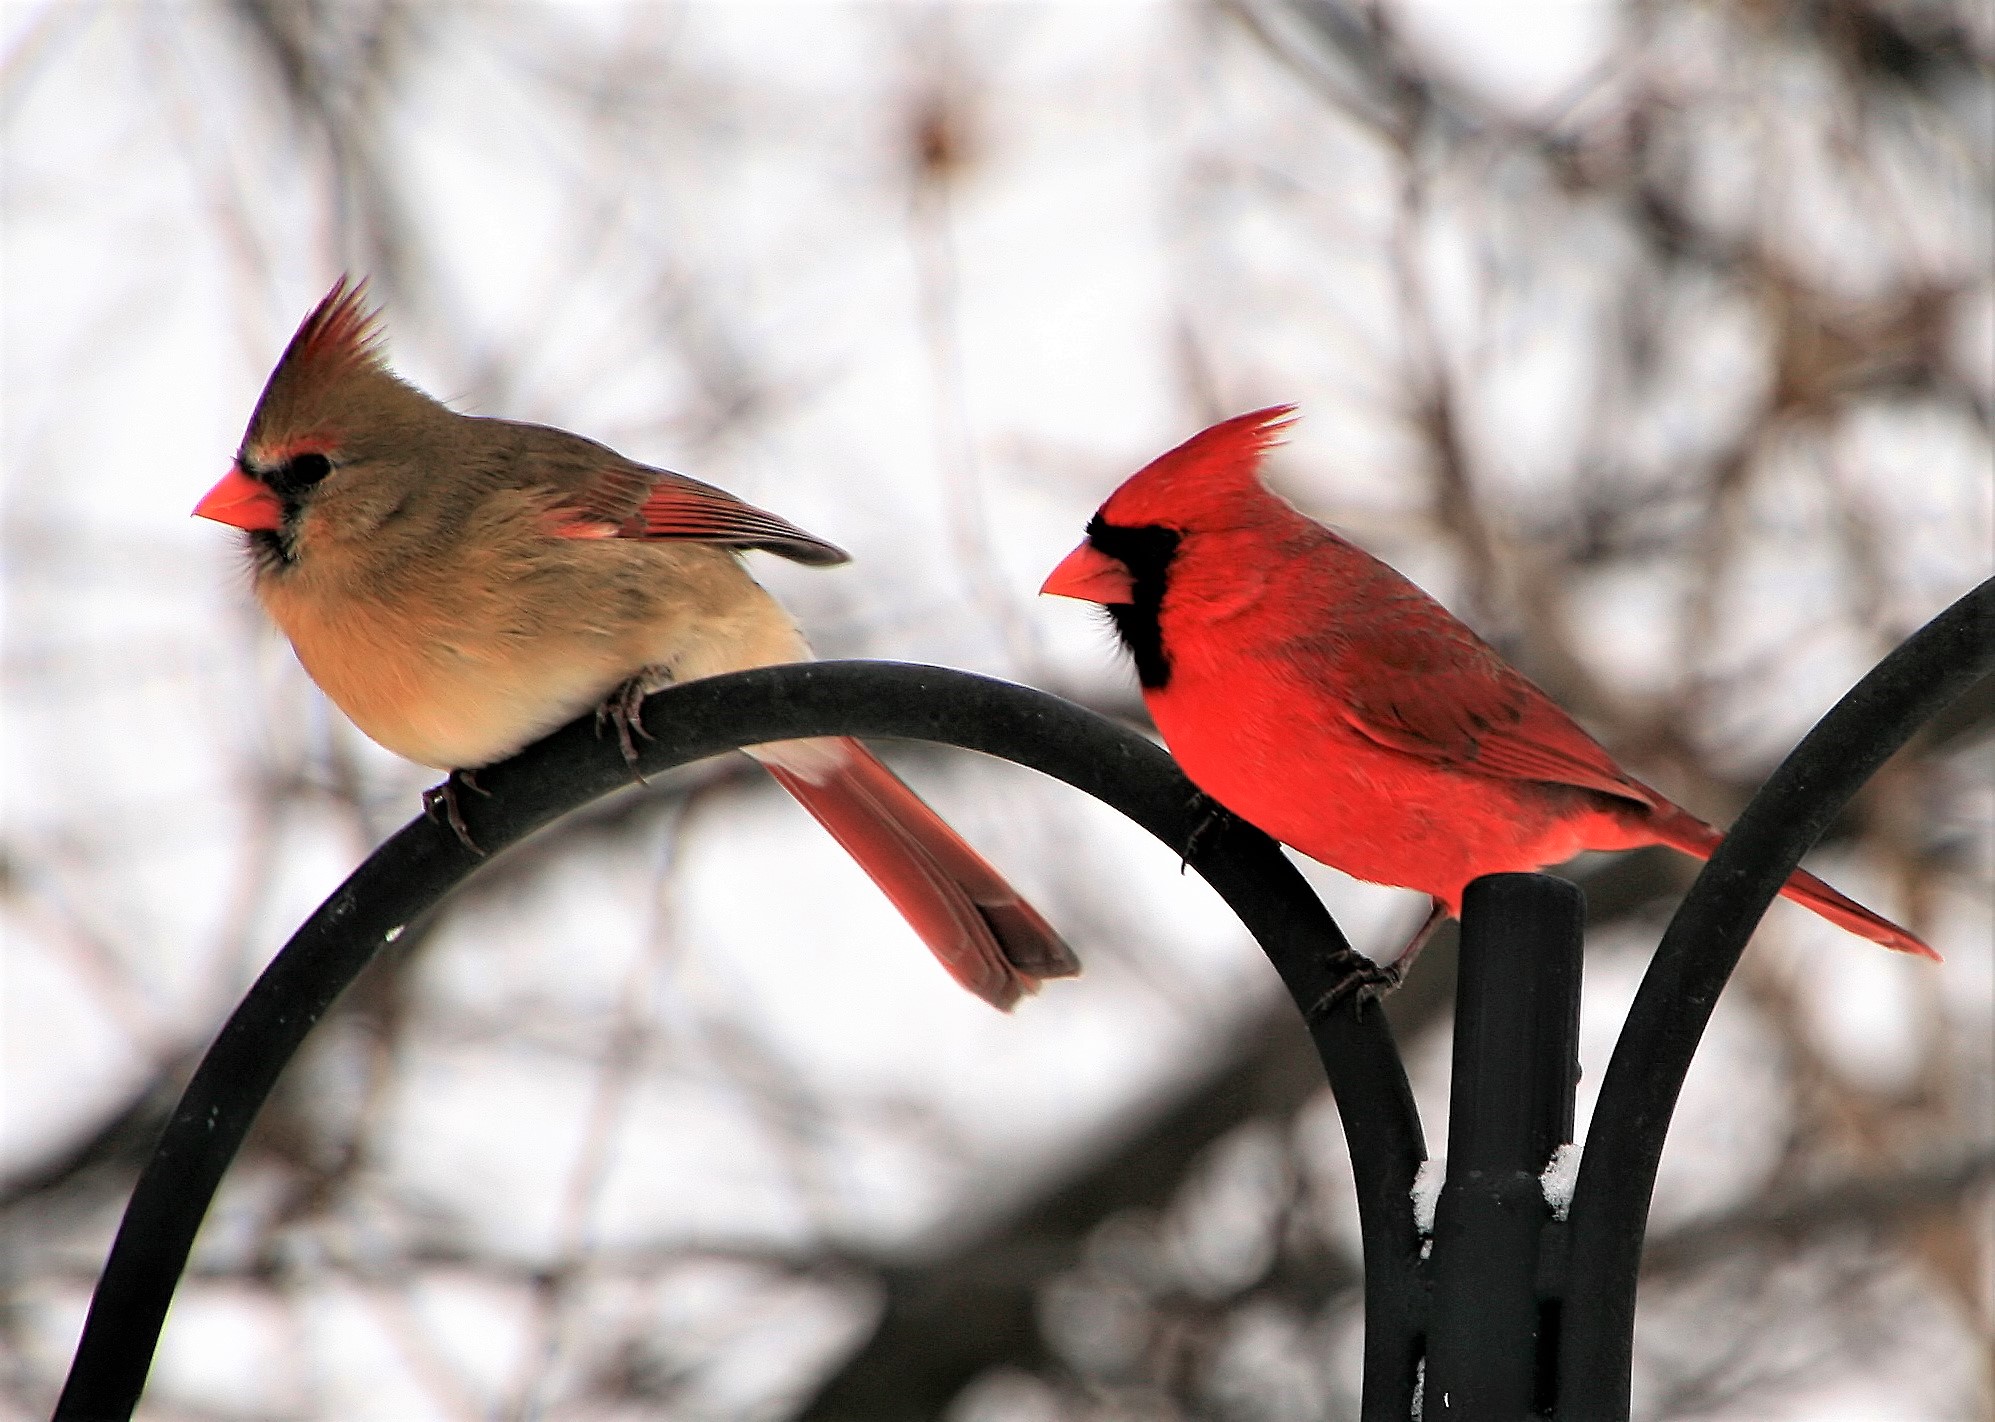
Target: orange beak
239 500
1092 576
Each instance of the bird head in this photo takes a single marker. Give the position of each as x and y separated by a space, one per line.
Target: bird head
1208 485
330 441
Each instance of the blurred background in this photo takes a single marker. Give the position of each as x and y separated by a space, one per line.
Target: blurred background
1656 339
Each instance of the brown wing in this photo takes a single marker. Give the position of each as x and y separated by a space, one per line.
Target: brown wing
1439 692
604 495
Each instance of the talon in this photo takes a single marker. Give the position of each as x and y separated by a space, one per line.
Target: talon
624 709
1372 982
440 804
1357 975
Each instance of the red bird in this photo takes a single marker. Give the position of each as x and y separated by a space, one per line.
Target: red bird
1320 696
460 587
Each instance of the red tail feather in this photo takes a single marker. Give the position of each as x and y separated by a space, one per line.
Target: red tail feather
1683 830
990 940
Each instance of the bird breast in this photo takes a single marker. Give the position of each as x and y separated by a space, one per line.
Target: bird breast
459 667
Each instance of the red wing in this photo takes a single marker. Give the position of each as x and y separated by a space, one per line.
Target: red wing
678 507
613 497
1442 695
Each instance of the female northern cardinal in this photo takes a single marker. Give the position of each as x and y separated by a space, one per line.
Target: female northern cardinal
1319 695
460 587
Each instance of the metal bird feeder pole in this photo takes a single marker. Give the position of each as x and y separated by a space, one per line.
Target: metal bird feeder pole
1503 1317
1510 1106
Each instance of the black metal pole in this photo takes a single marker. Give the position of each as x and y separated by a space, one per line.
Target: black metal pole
1505 1127
1516 1066
410 874
1638 1094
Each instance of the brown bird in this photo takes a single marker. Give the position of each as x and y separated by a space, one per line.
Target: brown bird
461 586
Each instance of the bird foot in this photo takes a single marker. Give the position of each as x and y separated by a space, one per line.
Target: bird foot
1357 977
1211 822
440 804
624 709
1372 981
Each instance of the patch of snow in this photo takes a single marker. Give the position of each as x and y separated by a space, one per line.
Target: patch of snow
1557 1179
1427 1193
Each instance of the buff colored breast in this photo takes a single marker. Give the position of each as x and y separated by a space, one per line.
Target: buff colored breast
463 679
431 693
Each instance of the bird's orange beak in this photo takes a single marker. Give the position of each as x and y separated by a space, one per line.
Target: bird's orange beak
1092 576
239 500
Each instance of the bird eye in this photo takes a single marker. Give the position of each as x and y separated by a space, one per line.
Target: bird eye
299 473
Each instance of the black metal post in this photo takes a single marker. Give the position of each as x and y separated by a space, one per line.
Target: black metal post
410 874
1486 1308
1516 1066
1638 1093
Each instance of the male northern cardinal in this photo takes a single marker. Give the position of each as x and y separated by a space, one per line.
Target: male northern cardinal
1313 691
460 587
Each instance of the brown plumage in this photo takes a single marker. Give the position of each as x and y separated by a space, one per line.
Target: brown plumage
460 587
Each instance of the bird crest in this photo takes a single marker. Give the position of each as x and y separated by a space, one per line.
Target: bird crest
339 340
1204 474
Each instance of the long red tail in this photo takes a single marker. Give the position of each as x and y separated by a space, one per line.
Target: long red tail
1679 829
992 941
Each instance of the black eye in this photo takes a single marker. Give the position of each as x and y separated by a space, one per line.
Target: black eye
298 473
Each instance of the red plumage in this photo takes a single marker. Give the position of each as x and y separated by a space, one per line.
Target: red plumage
1318 694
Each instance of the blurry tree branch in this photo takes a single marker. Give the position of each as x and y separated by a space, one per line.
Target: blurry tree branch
1882 1202
723 197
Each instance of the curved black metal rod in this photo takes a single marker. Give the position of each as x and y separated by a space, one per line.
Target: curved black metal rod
1697 955
409 875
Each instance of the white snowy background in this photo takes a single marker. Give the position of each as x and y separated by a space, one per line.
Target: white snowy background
1656 339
